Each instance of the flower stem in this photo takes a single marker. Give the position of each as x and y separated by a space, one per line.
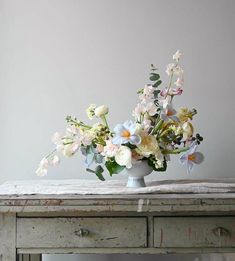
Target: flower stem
50 154
105 121
169 86
176 151
157 126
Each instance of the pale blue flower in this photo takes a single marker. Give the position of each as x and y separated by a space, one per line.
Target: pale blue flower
168 113
191 157
125 133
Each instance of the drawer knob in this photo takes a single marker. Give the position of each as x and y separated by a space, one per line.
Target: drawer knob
221 231
82 232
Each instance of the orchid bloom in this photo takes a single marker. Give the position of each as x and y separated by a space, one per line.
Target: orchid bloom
168 113
191 157
126 133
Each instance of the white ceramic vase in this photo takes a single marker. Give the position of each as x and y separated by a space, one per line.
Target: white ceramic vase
136 174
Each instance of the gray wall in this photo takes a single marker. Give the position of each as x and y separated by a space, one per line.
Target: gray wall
58 56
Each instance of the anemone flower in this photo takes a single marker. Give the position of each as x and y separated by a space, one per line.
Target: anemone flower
168 113
191 157
125 133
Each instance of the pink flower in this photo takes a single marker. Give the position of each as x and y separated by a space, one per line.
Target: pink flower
179 82
110 149
171 92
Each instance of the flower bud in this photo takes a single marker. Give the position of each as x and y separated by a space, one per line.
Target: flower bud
101 111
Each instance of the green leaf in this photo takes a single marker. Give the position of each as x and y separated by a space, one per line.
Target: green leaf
113 167
98 158
154 77
98 171
156 84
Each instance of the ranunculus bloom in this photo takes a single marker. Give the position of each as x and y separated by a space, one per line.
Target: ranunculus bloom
148 146
101 111
123 156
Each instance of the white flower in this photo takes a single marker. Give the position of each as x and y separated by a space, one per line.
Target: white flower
123 156
158 163
72 130
169 68
70 149
148 93
139 109
44 163
56 138
110 149
87 137
101 111
41 172
55 160
178 71
146 124
43 167
177 56
187 128
90 111
179 82
148 146
151 108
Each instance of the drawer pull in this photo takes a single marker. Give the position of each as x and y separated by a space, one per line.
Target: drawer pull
82 232
221 231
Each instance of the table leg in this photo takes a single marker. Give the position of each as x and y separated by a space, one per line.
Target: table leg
7 237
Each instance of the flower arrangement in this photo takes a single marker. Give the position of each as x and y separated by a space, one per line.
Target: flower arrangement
157 131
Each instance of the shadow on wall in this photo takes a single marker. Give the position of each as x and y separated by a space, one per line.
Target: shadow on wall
127 257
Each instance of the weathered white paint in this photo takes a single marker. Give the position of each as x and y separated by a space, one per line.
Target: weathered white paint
194 232
114 187
7 237
81 232
54 223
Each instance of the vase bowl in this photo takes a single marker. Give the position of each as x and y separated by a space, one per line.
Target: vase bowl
136 174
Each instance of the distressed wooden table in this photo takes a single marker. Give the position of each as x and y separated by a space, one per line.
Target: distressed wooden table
33 224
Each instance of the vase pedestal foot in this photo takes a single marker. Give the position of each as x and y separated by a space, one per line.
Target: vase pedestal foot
134 182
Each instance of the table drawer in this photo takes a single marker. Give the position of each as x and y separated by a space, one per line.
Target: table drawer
82 232
194 231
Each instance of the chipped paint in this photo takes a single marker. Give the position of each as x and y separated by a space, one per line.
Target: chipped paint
140 205
161 237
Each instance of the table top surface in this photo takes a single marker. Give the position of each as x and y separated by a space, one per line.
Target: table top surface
188 196
80 189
